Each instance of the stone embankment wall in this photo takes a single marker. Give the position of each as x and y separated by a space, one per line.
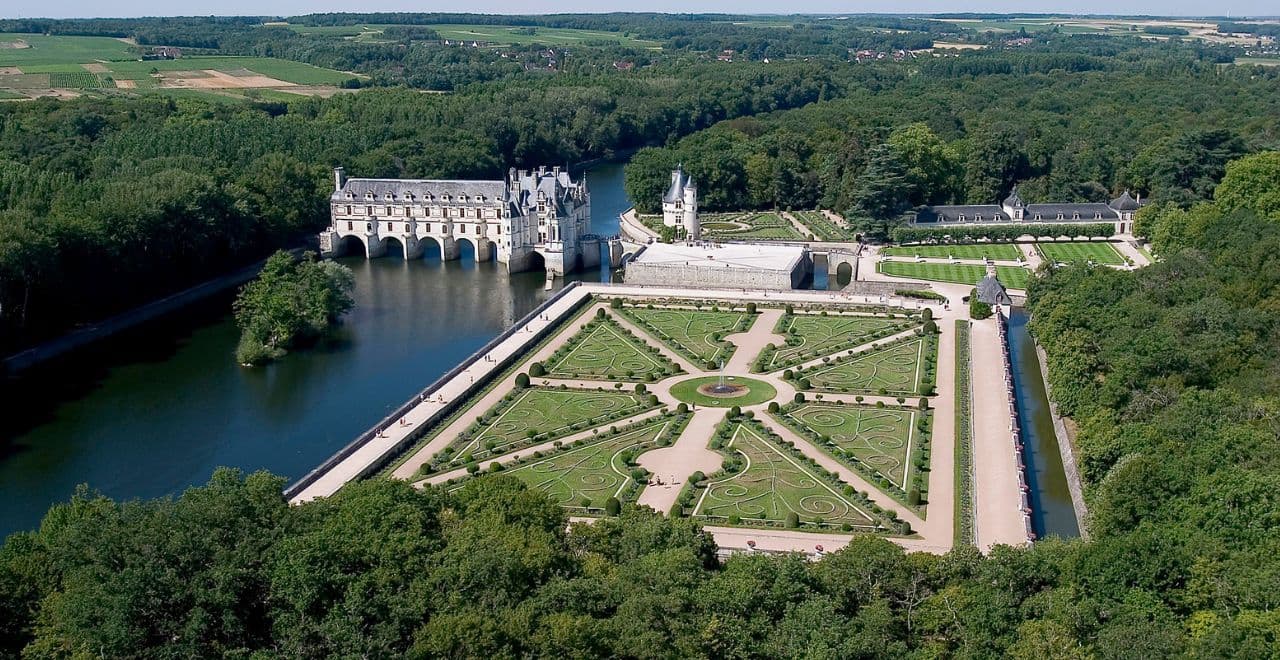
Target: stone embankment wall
1015 425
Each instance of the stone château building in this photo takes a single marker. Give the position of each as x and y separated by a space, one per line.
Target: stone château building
1013 211
680 205
531 219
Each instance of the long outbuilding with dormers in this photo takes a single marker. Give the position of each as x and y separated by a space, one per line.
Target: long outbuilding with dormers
1015 211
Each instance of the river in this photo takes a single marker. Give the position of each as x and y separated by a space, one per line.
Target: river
156 409
1052 513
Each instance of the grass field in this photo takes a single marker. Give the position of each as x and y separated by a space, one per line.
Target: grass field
1260 61
288 71
876 440
547 412
51 50
605 350
897 369
773 484
749 225
1013 277
1098 253
996 251
585 478
493 35
811 336
696 334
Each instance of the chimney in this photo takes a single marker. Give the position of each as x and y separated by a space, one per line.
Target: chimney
556 171
542 169
1139 198
338 179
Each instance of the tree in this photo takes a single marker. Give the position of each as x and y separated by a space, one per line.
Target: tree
1251 183
291 301
932 170
881 192
994 163
612 506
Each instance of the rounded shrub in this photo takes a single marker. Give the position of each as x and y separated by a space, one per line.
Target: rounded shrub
522 380
612 506
536 370
799 397
793 520
774 407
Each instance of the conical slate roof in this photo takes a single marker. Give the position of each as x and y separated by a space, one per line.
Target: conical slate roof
1124 203
992 292
678 182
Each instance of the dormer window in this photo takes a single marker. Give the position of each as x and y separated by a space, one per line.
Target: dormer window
368 196
977 217
480 199
389 197
961 218
1075 216
1037 216
1060 217
349 195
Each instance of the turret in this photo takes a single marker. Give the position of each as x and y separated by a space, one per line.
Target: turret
692 226
1014 206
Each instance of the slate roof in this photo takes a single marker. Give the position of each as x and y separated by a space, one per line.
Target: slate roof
1091 212
1014 200
400 189
679 181
992 292
1125 203
989 213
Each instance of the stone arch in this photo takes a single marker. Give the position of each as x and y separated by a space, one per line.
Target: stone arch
537 262
468 248
390 243
844 273
431 248
626 258
352 245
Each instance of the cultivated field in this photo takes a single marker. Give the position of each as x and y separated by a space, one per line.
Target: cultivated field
1013 277
488 35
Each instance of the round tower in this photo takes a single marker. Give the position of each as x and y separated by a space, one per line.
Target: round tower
692 227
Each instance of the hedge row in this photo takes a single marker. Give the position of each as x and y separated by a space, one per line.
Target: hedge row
964 526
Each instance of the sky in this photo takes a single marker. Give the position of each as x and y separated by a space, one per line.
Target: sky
95 8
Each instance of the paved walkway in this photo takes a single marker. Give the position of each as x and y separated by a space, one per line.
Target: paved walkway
998 515
674 464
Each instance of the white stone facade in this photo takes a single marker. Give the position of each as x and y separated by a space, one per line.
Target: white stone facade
733 265
680 205
531 216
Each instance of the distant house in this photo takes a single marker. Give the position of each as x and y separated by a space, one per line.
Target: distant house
163 53
624 66
725 55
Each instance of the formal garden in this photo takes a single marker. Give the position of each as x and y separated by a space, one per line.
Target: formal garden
822 227
696 334
993 251
749 226
814 335
764 483
903 367
887 444
604 350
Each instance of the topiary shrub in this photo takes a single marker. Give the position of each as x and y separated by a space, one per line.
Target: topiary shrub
616 303
640 388
793 520
522 380
751 308
682 408
536 370
774 407
600 312
735 411
612 506
799 397
930 328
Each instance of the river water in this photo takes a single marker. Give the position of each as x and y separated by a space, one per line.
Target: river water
1052 513
157 409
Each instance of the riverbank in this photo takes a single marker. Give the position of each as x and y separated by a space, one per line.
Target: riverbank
20 362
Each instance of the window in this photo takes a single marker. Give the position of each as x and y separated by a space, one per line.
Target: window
368 210
977 217
386 210
1075 216
499 230
428 228
1060 215
961 217
348 209
390 227
349 226
477 229
1037 216
406 226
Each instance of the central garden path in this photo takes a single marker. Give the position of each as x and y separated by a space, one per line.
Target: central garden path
751 342
673 465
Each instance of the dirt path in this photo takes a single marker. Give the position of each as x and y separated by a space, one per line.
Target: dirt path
673 465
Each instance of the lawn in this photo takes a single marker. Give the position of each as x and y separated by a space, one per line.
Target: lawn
771 485
604 350
67 50
696 334
756 392
1098 253
897 369
822 227
584 478
872 440
1013 277
543 413
811 336
997 251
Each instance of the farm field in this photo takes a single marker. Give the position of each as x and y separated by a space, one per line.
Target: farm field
1013 277
812 336
510 34
874 440
1098 253
696 334
605 350
896 369
773 484
22 50
994 251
